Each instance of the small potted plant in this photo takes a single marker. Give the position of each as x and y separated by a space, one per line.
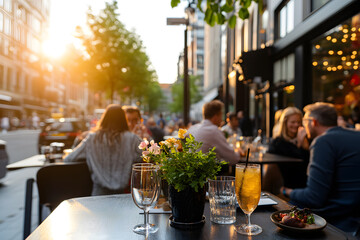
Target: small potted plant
186 170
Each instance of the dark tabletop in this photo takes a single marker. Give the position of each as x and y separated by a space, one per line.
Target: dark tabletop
112 217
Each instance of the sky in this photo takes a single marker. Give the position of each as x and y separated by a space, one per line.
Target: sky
162 43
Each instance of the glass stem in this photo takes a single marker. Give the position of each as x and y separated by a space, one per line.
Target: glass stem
146 217
248 219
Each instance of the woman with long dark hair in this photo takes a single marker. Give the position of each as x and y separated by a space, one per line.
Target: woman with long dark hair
109 151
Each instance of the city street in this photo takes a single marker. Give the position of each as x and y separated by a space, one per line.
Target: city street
20 144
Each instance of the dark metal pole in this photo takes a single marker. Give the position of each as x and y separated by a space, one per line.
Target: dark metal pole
186 82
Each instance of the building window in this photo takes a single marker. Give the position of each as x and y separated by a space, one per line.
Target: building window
7 26
285 19
8 5
335 67
9 79
316 4
1 76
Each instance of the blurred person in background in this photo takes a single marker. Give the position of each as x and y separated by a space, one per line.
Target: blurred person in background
135 122
110 152
245 124
210 135
157 133
290 140
161 122
232 125
5 124
333 186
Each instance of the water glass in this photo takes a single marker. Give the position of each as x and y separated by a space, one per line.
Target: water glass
222 200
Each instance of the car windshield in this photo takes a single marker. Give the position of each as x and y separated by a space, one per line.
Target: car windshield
61 127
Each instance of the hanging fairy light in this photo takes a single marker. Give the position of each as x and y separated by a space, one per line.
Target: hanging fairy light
343 40
356 62
345 30
353 29
329 69
345 36
356 67
334 40
353 56
334 69
339 67
328 38
325 63
354 52
340 52
317 46
331 52
343 58
315 64
348 64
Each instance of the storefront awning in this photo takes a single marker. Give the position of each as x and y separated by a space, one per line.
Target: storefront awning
257 63
37 108
11 107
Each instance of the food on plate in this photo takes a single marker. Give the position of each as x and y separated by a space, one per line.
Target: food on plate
297 218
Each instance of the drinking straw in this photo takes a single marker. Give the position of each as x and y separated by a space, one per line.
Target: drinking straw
246 163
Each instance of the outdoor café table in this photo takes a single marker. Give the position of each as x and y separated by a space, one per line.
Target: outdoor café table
33 161
114 216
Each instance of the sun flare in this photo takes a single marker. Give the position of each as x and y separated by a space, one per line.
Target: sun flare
54 48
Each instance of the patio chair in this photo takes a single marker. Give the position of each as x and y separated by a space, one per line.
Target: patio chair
57 183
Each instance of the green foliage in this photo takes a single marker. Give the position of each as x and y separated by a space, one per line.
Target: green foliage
115 59
177 91
181 164
220 12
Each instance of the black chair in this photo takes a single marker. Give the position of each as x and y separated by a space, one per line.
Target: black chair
57 183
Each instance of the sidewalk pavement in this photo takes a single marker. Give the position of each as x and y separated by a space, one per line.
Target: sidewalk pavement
12 202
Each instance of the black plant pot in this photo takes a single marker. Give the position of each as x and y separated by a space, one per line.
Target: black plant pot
187 206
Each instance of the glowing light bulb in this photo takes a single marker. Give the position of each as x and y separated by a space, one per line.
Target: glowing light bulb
334 40
345 30
314 64
331 52
343 40
329 69
340 28
339 67
340 52
345 36
328 38
325 63
354 52
348 64
356 63
353 56
333 68
353 29
317 46
356 67
343 58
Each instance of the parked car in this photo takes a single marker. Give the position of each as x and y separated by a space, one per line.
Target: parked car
63 130
4 159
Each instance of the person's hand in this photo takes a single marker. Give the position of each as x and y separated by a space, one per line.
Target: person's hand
301 138
286 191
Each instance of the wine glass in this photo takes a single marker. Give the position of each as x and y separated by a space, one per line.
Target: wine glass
145 188
248 191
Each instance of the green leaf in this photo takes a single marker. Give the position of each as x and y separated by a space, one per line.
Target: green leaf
226 8
243 13
213 19
220 18
198 5
245 3
174 3
232 21
229 2
215 7
208 13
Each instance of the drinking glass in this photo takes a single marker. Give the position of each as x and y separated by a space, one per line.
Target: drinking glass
248 191
145 188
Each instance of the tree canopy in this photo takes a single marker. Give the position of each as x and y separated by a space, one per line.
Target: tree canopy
114 59
221 12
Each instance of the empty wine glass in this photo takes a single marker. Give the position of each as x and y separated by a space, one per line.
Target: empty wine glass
145 188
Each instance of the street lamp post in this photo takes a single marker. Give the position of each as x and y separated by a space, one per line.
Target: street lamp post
184 21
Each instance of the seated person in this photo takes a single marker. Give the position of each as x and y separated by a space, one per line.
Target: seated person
110 152
290 141
210 135
333 186
135 122
232 125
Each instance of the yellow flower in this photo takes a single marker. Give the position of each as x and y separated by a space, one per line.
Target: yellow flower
181 133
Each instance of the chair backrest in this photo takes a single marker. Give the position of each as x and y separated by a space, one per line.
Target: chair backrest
57 183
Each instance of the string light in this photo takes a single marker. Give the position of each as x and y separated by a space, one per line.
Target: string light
353 29
343 40
314 64
345 36
354 52
356 67
348 64
325 63
343 58
356 63
353 35
328 38
353 39
329 69
331 52
339 67
334 40
340 28
340 52
353 56
317 46
333 68
345 30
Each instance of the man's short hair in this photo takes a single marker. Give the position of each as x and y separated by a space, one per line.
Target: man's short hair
131 109
231 115
212 108
324 113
